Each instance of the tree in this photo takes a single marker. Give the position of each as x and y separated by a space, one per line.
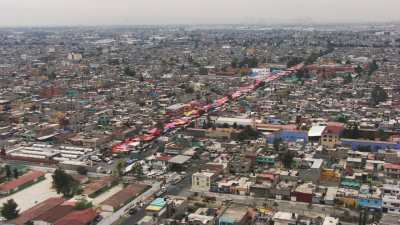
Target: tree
235 126
248 133
347 79
8 171
203 71
294 61
249 62
138 169
359 70
234 62
189 90
10 210
64 183
372 67
341 119
225 125
83 204
119 168
378 95
129 72
82 170
277 144
15 173
352 131
287 159
382 135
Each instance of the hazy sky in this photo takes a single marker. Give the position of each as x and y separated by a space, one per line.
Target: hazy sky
126 12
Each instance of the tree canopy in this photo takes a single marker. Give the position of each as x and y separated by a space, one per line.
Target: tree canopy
10 210
65 183
248 133
378 95
129 72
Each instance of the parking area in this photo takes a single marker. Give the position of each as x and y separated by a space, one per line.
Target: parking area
30 196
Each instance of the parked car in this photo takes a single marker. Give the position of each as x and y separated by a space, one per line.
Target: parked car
133 210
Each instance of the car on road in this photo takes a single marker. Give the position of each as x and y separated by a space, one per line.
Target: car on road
98 218
133 210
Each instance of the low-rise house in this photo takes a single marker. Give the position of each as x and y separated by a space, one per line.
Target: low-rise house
263 184
201 217
37 210
234 215
283 190
98 186
285 218
331 221
304 193
310 169
82 217
122 197
391 204
370 198
392 170
21 182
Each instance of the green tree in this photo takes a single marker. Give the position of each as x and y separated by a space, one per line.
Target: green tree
341 119
294 61
378 95
10 210
234 62
235 126
277 144
82 170
203 71
347 79
83 204
119 168
129 72
8 171
248 133
372 67
15 173
287 159
382 135
359 70
65 183
137 169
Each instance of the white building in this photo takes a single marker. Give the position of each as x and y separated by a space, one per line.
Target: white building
331 221
391 204
74 56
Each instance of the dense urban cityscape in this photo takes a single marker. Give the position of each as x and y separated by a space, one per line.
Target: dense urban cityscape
200 124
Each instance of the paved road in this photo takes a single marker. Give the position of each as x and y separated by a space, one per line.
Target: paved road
390 219
115 216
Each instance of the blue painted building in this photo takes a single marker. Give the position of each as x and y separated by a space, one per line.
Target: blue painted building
373 145
373 204
289 136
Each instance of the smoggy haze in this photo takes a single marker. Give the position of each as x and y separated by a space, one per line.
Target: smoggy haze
126 12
